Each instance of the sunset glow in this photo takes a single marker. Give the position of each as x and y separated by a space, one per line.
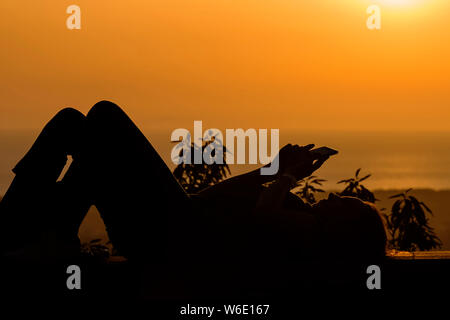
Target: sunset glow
280 154
170 62
398 2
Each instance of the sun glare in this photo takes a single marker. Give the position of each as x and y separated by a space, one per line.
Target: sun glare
406 9
398 3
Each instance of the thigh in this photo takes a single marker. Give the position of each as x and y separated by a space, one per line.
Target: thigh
137 196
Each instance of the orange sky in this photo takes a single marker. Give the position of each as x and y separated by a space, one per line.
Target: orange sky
307 64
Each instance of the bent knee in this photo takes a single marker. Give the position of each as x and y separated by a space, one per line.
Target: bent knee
69 117
104 110
69 113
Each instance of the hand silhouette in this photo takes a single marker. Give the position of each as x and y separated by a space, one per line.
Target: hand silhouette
298 161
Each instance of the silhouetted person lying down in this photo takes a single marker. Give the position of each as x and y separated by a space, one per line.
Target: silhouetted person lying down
148 215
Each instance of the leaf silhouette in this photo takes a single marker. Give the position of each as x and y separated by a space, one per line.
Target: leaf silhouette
408 224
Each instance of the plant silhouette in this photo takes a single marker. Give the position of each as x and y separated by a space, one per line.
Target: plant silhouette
195 177
354 188
95 248
308 187
408 224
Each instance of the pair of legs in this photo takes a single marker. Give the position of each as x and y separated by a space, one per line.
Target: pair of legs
114 168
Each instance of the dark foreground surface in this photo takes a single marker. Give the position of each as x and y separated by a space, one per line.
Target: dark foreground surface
286 289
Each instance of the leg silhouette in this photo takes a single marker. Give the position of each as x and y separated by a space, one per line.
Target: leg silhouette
114 168
134 190
27 210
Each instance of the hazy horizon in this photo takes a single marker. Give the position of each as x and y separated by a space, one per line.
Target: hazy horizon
396 160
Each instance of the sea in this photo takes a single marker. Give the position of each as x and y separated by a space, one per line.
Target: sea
395 160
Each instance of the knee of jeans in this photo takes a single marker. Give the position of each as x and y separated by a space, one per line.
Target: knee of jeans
104 110
70 114
69 118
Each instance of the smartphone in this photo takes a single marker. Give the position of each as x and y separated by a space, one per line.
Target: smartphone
324 152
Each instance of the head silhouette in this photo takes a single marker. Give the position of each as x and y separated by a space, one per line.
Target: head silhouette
350 228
